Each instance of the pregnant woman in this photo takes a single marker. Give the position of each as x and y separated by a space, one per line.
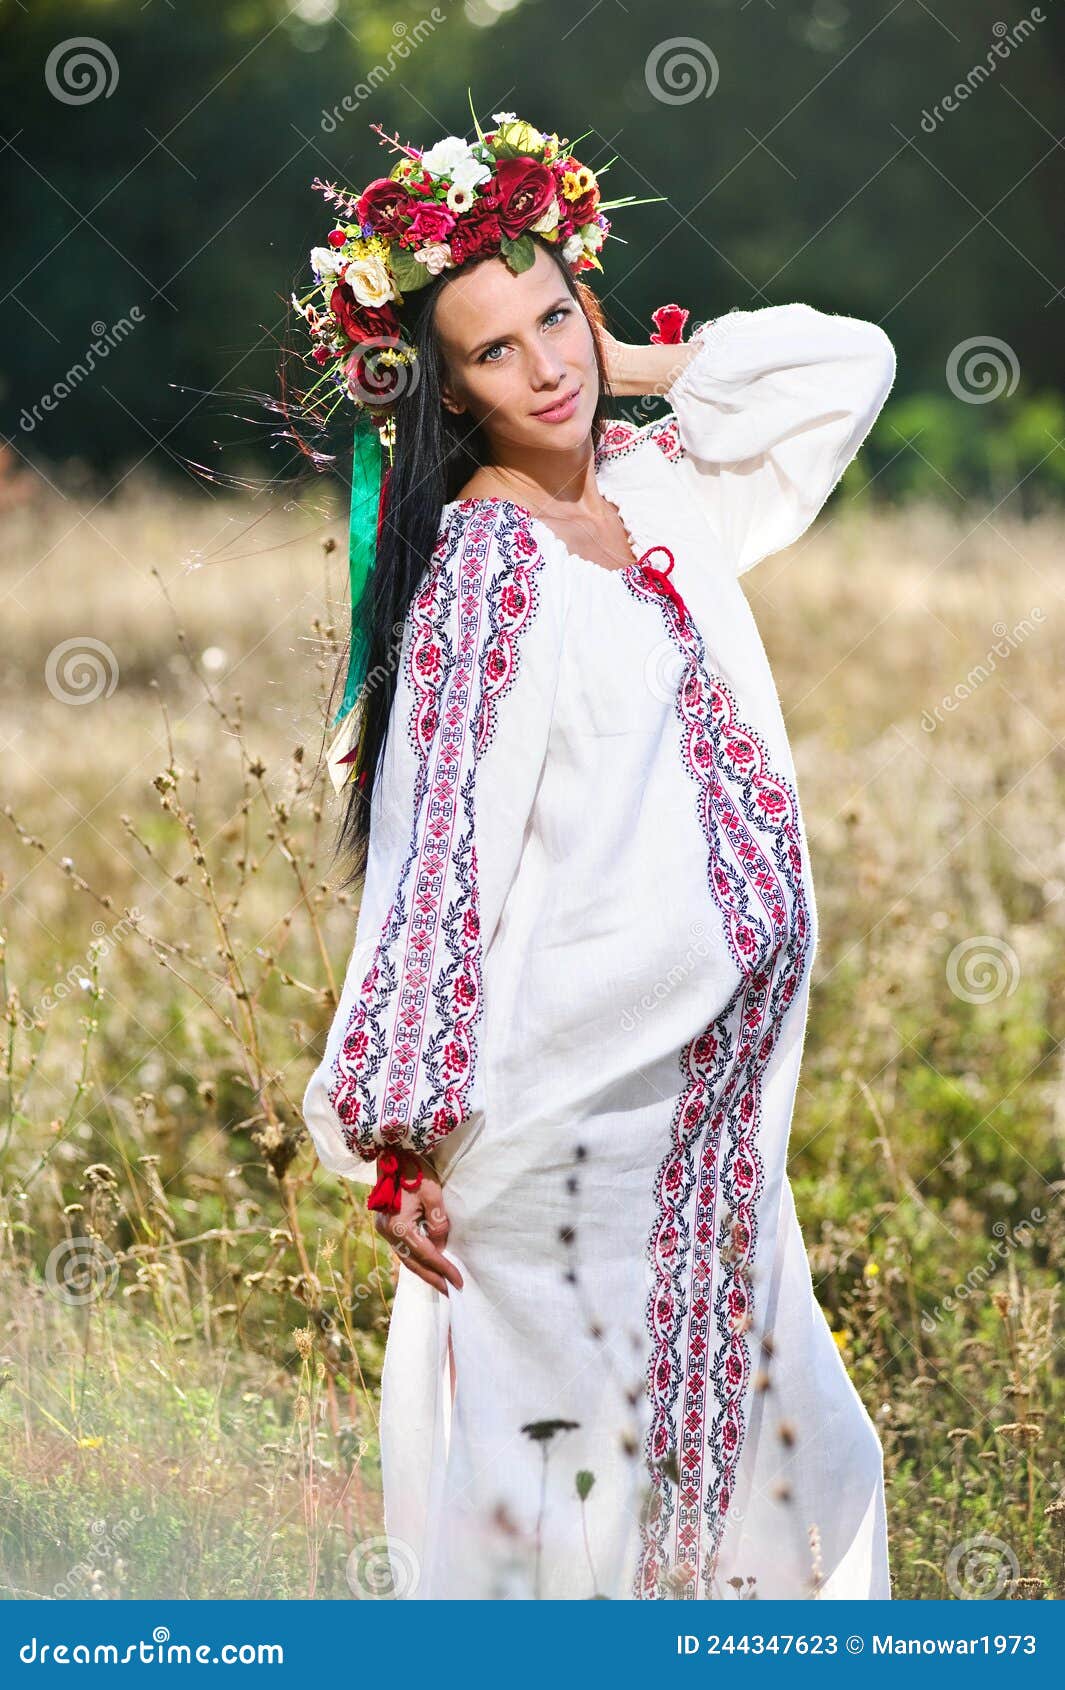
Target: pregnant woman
570 1032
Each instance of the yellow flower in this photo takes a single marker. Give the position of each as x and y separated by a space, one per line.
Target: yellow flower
842 1339
404 167
520 135
577 182
90 1443
871 1270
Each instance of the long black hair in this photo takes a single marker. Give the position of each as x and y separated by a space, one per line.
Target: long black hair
434 455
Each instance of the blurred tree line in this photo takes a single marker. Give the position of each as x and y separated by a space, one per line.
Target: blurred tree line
821 157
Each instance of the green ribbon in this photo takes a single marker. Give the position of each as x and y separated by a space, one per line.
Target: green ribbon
366 472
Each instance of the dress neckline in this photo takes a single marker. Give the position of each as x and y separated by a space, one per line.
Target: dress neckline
635 566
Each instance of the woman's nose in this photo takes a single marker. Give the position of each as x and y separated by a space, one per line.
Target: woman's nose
547 369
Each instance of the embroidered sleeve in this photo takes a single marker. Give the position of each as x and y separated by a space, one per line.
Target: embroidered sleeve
766 416
465 748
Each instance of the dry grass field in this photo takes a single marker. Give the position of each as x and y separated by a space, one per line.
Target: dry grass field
194 1312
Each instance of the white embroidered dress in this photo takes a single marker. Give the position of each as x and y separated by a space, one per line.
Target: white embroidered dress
580 980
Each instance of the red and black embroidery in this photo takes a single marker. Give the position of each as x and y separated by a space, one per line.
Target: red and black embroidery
405 1068
621 437
705 1231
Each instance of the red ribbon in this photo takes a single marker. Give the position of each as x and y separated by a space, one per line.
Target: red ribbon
387 1193
661 579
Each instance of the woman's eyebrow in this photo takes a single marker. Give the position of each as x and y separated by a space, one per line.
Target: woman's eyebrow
491 341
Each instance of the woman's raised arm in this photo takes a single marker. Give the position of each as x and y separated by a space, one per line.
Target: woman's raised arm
767 409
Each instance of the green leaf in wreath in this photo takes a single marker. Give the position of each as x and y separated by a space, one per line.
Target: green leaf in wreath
520 254
409 274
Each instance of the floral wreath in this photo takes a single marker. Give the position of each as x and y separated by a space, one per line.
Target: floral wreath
439 208
456 201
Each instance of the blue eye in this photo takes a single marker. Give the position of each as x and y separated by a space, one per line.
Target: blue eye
559 311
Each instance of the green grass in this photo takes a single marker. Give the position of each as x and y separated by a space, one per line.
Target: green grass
206 1424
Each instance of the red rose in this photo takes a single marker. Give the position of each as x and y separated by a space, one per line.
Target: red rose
431 222
374 383
526 190
386 206
669 321
477 232
361 322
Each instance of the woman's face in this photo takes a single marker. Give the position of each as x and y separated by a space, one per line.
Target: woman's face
514 345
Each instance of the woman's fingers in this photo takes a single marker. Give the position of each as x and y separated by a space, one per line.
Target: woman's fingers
419 1272
416 1232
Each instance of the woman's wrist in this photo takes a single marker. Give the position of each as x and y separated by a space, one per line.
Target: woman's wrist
398 1170
635 371
409 1160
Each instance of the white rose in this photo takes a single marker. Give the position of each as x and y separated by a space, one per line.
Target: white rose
325 260
546 223
572 249
369 281
592 237
436 256
448 156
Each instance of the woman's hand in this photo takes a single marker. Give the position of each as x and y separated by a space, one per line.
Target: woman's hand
636 370
420 1227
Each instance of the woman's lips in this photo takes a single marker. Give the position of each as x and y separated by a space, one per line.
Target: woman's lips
559 413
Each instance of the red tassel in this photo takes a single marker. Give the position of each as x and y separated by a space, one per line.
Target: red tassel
387 1193
669 321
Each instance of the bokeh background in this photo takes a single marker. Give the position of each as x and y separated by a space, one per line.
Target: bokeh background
193 1313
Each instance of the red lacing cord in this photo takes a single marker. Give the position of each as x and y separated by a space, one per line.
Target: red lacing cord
660 577
387 1194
